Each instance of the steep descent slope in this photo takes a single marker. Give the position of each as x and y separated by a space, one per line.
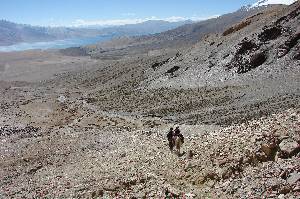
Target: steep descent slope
99 131
249 70
259 46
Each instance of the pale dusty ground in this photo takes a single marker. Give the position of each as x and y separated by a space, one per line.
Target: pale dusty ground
37 65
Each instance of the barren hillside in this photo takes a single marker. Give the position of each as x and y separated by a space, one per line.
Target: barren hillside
78 127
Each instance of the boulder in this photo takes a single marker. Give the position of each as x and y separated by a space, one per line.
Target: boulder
288 148
269 150
282 51
281 196
285 189
296 188
97 194
293 178
110 186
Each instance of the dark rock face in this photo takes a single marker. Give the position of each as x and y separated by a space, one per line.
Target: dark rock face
173 70
282 51
246 46
288 45
257 59
247 57
293 40
270 33
270 150
158 64
252 53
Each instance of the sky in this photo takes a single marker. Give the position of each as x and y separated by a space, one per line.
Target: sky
112 12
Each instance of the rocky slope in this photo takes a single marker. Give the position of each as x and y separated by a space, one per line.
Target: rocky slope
260 54
262 45
95 128
70 148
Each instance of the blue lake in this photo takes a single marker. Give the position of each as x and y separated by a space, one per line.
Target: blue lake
57 44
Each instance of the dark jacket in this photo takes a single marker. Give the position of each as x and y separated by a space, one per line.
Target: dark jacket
178 133
170 135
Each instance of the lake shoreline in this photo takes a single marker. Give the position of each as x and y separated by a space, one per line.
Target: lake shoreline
56 44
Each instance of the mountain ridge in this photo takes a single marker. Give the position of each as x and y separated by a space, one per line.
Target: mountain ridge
12 33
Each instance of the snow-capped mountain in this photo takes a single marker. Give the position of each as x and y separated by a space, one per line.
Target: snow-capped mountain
268 2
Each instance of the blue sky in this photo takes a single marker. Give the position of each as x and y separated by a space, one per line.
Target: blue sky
105 12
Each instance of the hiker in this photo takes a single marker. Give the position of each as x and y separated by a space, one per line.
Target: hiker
170 136
178 133
178 140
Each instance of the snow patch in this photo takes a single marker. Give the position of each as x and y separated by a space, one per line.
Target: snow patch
268 2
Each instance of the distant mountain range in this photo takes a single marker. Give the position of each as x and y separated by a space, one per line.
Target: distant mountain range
13 33
145 28
183 36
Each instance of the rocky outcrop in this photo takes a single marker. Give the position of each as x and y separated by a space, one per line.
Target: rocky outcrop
271 33
236 27
259 46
